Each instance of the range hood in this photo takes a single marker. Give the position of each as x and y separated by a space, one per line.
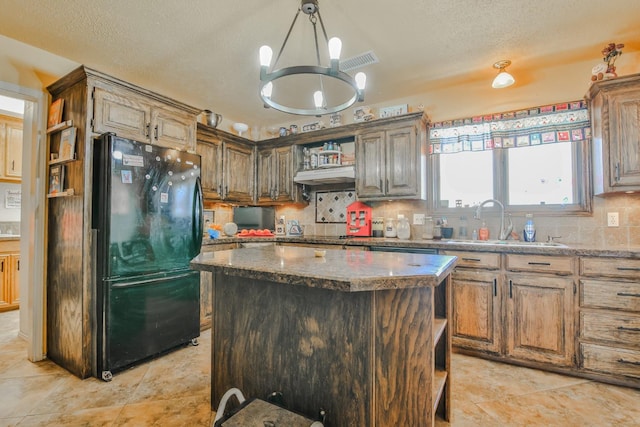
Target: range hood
326 175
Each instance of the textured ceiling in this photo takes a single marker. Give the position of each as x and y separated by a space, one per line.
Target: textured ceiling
204 52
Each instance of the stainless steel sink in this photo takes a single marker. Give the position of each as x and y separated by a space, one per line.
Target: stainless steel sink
506 243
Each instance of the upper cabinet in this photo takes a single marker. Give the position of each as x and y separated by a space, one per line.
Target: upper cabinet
615 123
391 162
11 148
228 166
130 115
276 168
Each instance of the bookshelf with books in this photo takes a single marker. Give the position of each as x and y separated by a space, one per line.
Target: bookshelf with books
62 151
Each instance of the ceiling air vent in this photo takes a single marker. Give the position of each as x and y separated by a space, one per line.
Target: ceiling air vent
359 61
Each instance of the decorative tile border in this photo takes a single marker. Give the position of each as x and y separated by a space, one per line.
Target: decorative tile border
331 206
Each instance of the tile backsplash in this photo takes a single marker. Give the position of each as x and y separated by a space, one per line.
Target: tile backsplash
571 229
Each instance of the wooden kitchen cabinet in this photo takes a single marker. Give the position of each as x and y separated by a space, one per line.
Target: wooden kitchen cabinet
275 170
130 115
477 318
540 301
615 124
94 102
10 148
228 166
391 162
609 329
9 275
209 147
238 172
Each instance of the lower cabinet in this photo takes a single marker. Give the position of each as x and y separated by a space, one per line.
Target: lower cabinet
9 275
477 316
609 329
516 307
540 324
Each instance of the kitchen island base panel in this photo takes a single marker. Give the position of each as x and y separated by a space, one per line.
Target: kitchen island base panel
365 357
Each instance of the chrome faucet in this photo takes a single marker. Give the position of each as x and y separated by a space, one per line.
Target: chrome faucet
504 232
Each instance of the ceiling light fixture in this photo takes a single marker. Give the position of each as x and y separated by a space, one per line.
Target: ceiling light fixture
319 95
503 79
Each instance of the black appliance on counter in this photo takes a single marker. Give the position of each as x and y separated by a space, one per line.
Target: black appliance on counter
147 222
254 218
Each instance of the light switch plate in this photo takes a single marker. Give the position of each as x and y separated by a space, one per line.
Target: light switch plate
613 219
418 219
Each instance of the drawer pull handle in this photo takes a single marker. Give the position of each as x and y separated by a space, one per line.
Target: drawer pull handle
495 287
628 268
624 328
471 259
629 362
626 294
539 263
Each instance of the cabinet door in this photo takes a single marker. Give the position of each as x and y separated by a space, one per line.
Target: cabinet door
5 286
13 151
266 176
624 140
540 318
210 151
285 159
173 129
476 310
403 158
122 113
14 266
370 165
239 173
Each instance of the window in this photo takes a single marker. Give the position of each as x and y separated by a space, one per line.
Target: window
531 161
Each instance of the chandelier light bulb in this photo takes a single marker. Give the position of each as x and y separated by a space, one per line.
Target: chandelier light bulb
265 56
361 80
335 47
318 98
267 90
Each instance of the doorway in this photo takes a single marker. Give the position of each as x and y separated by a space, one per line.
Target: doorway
31 106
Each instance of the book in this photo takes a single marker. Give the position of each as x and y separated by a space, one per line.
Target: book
55 112
67 144
56 179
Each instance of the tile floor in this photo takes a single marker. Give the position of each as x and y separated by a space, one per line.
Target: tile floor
174 391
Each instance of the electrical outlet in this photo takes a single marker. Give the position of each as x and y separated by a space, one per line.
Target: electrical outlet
612 219
418 219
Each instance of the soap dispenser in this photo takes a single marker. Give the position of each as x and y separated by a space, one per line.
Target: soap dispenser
483 232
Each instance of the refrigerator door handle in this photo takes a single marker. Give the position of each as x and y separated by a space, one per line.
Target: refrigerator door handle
198 222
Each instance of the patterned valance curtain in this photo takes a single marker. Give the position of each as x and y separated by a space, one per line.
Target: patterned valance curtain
540 125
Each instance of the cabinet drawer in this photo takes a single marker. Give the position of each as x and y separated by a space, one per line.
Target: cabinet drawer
540 263
485 260
613 267
620 328
611 360
617 295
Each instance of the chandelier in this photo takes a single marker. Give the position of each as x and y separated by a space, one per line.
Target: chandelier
268 76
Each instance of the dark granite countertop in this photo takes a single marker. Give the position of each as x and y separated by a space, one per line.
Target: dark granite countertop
348 271
455 245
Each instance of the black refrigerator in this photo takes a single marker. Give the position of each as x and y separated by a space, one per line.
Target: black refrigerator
147 223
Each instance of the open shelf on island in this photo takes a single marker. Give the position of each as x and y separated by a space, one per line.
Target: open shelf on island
59 161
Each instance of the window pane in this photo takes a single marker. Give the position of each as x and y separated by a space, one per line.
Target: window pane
542 174
466 176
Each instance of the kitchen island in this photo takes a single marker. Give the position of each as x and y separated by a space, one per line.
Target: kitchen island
364 336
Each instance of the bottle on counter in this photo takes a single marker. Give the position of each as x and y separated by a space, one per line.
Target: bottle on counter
474 235
462 230
437 230
483 232
390 228
404 229
428 228
529 234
